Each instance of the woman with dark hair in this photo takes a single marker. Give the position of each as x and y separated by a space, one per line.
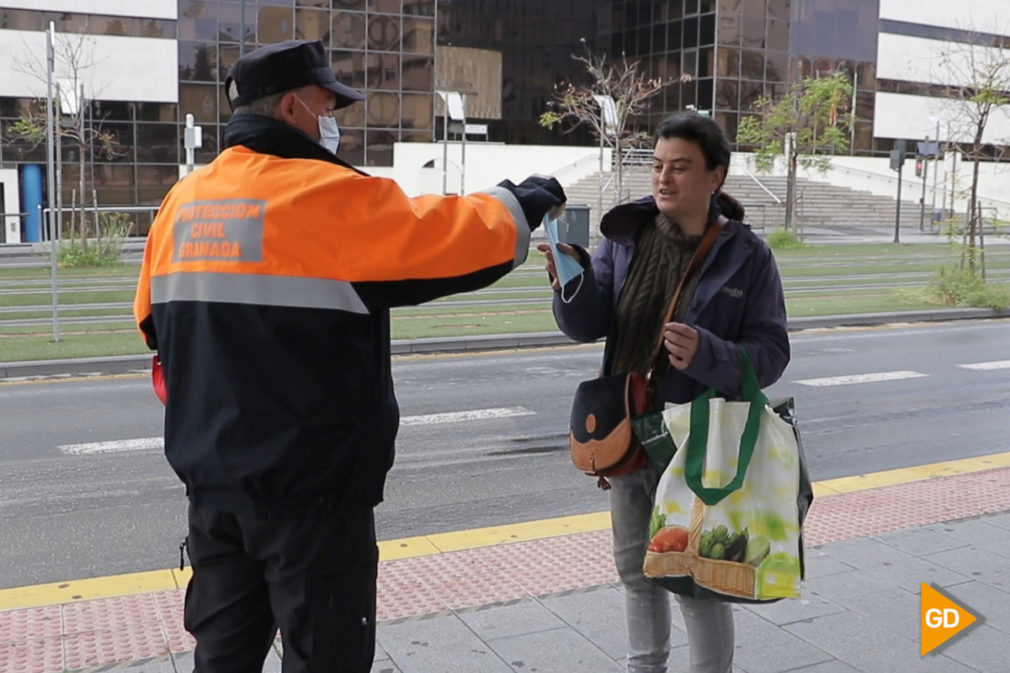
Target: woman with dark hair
735 297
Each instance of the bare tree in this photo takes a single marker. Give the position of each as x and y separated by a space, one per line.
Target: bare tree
580 104
74 57
977 74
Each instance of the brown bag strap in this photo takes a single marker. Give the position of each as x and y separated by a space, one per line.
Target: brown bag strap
700 253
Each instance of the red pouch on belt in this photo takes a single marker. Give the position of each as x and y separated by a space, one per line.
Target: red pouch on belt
158 380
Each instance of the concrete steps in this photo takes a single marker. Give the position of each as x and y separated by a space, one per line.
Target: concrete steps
819 204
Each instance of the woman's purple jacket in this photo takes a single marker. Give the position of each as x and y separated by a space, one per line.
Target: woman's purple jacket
738 300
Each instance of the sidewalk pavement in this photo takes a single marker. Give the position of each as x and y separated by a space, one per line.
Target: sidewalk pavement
543 596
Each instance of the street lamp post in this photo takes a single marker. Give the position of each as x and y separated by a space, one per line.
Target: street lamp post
51 181
936 156
599 181
922 199
241 31
608 126
453 105
445 147
462 149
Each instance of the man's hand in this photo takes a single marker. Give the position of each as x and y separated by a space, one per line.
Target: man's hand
681 342
536 195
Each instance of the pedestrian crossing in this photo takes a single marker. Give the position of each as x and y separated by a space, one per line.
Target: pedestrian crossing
158 443
113 446
472 415
898 375
986 366
851 379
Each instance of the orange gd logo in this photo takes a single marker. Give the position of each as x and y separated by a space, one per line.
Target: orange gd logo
940 619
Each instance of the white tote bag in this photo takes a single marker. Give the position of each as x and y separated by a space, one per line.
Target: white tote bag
726 520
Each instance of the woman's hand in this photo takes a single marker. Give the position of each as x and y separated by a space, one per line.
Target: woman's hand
551 269
681 342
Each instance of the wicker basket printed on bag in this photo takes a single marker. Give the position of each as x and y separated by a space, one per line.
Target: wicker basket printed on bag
725 577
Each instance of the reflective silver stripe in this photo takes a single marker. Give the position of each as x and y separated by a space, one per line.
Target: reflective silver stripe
522 228
264 290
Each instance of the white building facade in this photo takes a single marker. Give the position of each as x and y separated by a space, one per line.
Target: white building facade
144 64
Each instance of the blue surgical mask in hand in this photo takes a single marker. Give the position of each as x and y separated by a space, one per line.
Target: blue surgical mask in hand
566 267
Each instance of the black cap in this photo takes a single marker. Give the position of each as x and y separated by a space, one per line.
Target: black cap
282 67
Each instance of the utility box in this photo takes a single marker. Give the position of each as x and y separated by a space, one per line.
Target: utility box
573 225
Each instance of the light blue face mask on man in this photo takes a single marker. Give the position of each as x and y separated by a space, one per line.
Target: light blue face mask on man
329 132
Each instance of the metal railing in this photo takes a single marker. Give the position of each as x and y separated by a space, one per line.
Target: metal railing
750 220
762 185
50 219
94 213
916 184
577 167
637 156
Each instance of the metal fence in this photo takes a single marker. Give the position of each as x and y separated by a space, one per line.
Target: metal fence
106 230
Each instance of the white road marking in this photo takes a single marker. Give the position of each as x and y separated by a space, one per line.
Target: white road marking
983 366
148 443
861 378
113 446
473 415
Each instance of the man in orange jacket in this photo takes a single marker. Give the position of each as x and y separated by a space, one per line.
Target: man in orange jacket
265 288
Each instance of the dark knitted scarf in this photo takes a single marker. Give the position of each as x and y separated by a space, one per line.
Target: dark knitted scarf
661 258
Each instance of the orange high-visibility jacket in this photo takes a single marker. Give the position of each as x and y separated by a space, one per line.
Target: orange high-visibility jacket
265 288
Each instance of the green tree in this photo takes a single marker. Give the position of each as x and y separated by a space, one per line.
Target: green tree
806 124
579 104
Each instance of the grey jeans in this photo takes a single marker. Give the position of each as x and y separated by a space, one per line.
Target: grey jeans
647 606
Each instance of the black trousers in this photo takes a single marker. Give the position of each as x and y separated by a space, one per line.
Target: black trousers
314 577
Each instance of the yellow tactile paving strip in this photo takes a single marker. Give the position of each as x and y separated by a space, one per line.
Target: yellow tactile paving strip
391 550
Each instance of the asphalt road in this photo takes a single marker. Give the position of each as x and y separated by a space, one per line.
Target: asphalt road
70 513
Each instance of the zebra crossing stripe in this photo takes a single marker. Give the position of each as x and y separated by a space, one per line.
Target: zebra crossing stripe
851 379
149 443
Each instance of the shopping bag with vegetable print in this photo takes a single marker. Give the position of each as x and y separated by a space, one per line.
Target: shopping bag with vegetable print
729 507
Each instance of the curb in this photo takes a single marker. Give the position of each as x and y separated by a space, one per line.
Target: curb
124 364
116 364
895 318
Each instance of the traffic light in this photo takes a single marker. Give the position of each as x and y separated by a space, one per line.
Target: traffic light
920 166
898 153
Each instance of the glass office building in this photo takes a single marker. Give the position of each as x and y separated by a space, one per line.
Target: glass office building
386 48
144 161
505 55
728 54
536 40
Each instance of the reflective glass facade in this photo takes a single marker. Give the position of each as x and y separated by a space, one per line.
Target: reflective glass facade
830 36
752 56
726 54
386 48
144 161
673 40
536 39
722 54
